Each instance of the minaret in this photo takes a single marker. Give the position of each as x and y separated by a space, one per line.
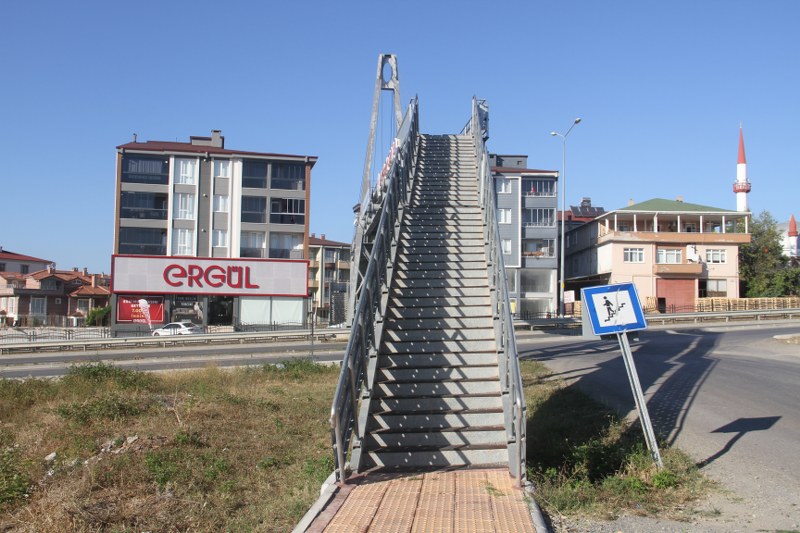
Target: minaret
741 186
791 238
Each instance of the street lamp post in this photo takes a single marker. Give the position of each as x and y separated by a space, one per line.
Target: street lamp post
561 306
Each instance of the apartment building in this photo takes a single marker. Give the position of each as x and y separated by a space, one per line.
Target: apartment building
328 278
526 215
243 215
673 251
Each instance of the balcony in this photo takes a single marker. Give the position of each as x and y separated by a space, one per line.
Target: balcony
343 265
313 264
685 269
313 284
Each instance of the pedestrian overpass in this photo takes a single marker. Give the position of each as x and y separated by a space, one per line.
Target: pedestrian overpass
430 382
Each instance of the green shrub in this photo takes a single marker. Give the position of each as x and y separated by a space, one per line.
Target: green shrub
98 316
110 408
13 481
105 373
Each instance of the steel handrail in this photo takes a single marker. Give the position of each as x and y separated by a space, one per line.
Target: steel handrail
368 314
511 378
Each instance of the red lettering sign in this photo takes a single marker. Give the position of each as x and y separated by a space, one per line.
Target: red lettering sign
215 276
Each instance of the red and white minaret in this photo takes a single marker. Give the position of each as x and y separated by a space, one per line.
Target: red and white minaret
742 185
790 248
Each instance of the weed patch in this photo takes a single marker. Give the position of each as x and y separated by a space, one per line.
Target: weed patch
583 459
14 482
103 373
112 408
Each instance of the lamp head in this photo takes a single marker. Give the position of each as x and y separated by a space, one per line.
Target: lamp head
577 121
553 133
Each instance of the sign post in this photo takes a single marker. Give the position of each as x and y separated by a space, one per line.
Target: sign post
615 309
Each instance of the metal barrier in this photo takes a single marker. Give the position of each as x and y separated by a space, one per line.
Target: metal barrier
367 326
172 340
510 377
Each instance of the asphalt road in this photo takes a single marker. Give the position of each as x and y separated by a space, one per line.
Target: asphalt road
730 397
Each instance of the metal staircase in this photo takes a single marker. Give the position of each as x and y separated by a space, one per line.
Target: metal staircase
437 398
430 377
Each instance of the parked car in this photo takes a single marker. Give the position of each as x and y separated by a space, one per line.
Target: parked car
178 328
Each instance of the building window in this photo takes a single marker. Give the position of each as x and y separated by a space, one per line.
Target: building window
219 238
669 256
286 245
287 211
503 185
538 187
143 241
252 244
539 248
2 267
24 269
222 203
49 285
254 209
288 176
717 256
504 216
222 168
38 305
506 243
511 280
633 255
540 217
254 174
713 288
183 242
143 205
185 171
183 208
83 306
139 169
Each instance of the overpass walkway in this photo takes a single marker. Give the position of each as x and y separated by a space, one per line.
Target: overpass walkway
428 421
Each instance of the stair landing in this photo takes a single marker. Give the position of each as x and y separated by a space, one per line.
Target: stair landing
455 501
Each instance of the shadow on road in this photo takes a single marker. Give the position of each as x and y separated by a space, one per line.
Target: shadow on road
672 366
740 427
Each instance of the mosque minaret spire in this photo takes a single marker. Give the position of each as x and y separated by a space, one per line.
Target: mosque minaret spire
742 185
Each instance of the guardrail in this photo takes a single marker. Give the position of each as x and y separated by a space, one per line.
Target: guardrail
667 318
367 325
727 316
510 376
171 340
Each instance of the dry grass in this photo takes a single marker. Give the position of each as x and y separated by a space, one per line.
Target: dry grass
240 450
247 450
584 461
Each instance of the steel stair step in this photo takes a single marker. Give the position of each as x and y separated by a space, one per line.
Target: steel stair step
438 459
480 345
439 283
441 440
447 404
434 360
442 292
414 375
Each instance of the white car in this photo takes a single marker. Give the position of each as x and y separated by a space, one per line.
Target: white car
178 328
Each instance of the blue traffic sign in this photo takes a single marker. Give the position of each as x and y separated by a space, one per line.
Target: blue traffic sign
614 308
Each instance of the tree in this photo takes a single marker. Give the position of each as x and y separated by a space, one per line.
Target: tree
762 264
98 316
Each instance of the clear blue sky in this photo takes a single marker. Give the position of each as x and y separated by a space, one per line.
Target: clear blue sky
661 88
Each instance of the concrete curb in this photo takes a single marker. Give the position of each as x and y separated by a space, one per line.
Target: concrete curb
326 494
536 512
